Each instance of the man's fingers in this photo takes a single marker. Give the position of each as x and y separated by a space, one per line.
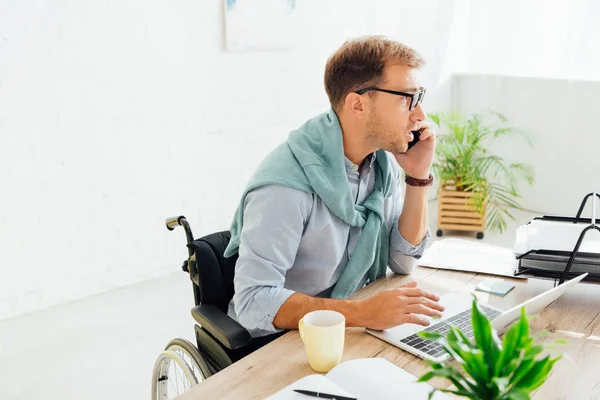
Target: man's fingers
426 302
426 134
416 292
423 310
415 319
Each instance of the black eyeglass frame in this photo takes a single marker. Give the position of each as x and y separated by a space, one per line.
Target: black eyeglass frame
419 95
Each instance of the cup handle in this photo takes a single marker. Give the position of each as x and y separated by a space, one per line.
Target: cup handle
301 328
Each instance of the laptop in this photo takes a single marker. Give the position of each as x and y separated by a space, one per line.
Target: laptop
458 313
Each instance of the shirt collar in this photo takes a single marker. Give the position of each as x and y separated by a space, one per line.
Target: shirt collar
350 166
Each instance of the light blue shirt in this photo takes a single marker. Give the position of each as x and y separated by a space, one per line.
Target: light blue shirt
291 242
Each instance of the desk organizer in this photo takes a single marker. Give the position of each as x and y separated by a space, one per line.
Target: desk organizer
563 265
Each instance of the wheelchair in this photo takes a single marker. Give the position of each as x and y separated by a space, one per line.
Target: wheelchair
220 340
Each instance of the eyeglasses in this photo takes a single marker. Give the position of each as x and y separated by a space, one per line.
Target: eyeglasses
415 98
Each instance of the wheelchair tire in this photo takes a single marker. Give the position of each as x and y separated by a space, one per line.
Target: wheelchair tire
192 357
171 376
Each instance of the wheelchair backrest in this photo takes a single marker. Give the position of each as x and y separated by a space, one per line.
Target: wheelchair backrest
215 272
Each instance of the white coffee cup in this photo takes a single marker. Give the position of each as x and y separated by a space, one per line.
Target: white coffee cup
323 333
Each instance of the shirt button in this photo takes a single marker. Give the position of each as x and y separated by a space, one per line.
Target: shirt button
354 167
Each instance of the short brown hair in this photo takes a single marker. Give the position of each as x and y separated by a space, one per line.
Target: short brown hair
360 63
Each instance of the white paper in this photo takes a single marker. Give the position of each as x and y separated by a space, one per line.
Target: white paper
315 383
364 378
377 378
466 255
554 235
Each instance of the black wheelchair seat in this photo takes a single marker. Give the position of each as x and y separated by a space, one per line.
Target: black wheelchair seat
221 340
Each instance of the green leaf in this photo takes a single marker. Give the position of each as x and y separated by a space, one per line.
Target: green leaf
522 369
523 327
501 382
449 373
544 374
536 374
533 351
470 358
427 376
435 364
485 338
434 336
452 347
518 394
509 349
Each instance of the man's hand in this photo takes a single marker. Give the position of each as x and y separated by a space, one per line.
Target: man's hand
398 306
417 161
387 309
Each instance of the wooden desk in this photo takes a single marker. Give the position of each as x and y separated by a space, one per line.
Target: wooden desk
574 316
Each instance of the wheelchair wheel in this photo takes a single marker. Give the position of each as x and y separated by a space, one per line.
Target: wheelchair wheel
192 357
177 369
171 376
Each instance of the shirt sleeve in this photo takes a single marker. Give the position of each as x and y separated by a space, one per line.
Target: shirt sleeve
274 220
403 254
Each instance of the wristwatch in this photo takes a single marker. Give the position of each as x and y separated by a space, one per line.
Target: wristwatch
418 182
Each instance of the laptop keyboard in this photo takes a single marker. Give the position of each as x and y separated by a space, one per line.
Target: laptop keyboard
461 320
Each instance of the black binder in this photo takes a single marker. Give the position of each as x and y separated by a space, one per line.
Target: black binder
549 263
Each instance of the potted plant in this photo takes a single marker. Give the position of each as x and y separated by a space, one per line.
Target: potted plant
477 189
488 368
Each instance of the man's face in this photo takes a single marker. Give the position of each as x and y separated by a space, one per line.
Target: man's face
390 120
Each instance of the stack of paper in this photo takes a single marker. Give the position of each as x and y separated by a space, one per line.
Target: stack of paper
554 235
466 255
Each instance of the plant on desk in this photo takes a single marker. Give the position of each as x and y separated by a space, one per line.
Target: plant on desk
477 189
488 368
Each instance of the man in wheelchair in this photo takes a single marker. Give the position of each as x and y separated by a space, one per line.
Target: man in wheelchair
325 213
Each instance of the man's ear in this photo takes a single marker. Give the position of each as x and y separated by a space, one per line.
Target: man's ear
355 105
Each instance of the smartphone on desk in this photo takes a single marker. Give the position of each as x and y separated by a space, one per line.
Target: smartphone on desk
416 138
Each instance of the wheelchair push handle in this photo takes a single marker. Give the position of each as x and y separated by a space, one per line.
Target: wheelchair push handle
173 222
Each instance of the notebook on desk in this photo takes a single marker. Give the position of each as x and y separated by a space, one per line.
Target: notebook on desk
363 378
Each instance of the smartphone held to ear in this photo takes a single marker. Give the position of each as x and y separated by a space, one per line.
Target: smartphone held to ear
416 138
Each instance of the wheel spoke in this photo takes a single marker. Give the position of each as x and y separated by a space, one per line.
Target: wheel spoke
177 370
190 362
177 377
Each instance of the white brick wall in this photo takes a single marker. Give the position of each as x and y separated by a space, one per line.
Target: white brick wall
117 114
